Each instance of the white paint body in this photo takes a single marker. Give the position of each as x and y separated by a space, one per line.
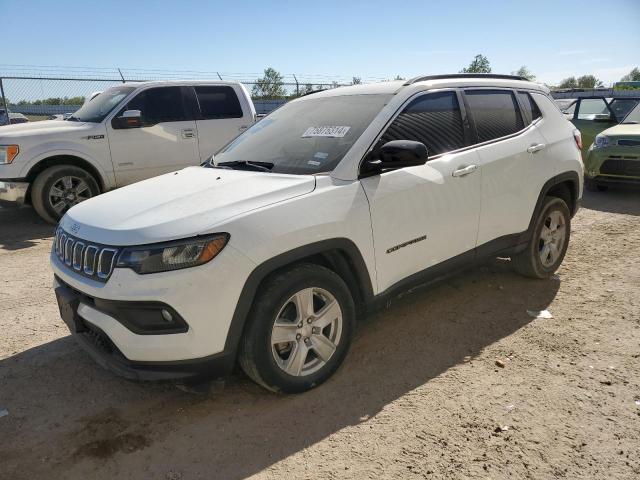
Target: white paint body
268 214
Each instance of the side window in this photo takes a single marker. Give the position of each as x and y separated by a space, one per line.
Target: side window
590 108
495 113
622 106
157 105
531 110
218 102
433 119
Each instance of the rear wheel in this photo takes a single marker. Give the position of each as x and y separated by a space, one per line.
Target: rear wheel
549 241
59 188
299 329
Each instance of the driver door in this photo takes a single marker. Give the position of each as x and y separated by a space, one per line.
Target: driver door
422 216
164 140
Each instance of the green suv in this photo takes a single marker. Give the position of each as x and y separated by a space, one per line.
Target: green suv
614 156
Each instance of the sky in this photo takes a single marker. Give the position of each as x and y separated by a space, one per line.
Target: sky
338 39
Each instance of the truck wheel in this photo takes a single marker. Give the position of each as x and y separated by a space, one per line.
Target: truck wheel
549 241
299 329
59 188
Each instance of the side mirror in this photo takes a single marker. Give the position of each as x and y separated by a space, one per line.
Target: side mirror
129 119
396 154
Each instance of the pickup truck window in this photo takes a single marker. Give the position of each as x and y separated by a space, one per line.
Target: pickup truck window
218 102
97 109
307 136
158 105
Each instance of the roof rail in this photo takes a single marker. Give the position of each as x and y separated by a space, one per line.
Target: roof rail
463 75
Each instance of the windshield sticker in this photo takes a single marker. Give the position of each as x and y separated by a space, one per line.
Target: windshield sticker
326 131
321 155
313 162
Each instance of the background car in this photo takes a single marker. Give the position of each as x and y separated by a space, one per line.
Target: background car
593 115
614 156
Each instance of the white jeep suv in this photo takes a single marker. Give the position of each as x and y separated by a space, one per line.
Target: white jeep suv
326 208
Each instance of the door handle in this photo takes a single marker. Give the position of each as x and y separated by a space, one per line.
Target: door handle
536 147
461 172
188 133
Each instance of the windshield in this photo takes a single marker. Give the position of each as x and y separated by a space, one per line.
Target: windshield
97 109
303 137
633 116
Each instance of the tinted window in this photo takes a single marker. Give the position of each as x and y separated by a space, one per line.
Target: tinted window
495 112
157 105
432 119
622 106
591 107
531 110
218 102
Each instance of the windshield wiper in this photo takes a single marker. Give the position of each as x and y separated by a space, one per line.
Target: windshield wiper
259 166
73 119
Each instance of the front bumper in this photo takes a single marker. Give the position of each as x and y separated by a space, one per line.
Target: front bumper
613 165
106 353
13 193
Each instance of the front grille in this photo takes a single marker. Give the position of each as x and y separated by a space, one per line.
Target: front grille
618 166
628 143
88 259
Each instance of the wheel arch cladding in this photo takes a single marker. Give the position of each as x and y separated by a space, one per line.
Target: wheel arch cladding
340 255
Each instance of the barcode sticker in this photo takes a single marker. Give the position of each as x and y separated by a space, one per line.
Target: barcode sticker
326 131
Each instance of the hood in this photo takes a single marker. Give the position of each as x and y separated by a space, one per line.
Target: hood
179 204
43 127
623 130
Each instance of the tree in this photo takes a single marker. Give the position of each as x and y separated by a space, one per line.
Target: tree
569 82
398 77
632 76
524 72
269 86
588 81
480 64
356 81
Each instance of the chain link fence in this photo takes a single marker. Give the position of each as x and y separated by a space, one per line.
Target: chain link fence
38 93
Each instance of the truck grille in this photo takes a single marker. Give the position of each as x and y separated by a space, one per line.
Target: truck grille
616 166
88 259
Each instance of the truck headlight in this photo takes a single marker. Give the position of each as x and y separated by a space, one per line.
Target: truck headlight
601 141
8 153
163 257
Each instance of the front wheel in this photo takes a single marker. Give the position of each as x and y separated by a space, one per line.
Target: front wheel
299 329
549 241
59 188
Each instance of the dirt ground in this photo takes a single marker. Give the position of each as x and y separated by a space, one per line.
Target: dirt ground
419 396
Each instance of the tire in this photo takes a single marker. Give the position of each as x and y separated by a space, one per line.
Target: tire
530 262
272 365
82 186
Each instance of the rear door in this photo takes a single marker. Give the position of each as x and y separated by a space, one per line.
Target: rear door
221 117
509 145
424 215
165 141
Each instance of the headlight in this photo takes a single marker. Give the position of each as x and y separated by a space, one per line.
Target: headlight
601 141
8 153
162 257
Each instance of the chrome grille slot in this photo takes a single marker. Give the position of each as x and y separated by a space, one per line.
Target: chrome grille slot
94 261
90 258
77 257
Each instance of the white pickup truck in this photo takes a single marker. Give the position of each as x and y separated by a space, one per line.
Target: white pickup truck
127 133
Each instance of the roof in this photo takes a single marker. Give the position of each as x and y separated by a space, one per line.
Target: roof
180 82
432 82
